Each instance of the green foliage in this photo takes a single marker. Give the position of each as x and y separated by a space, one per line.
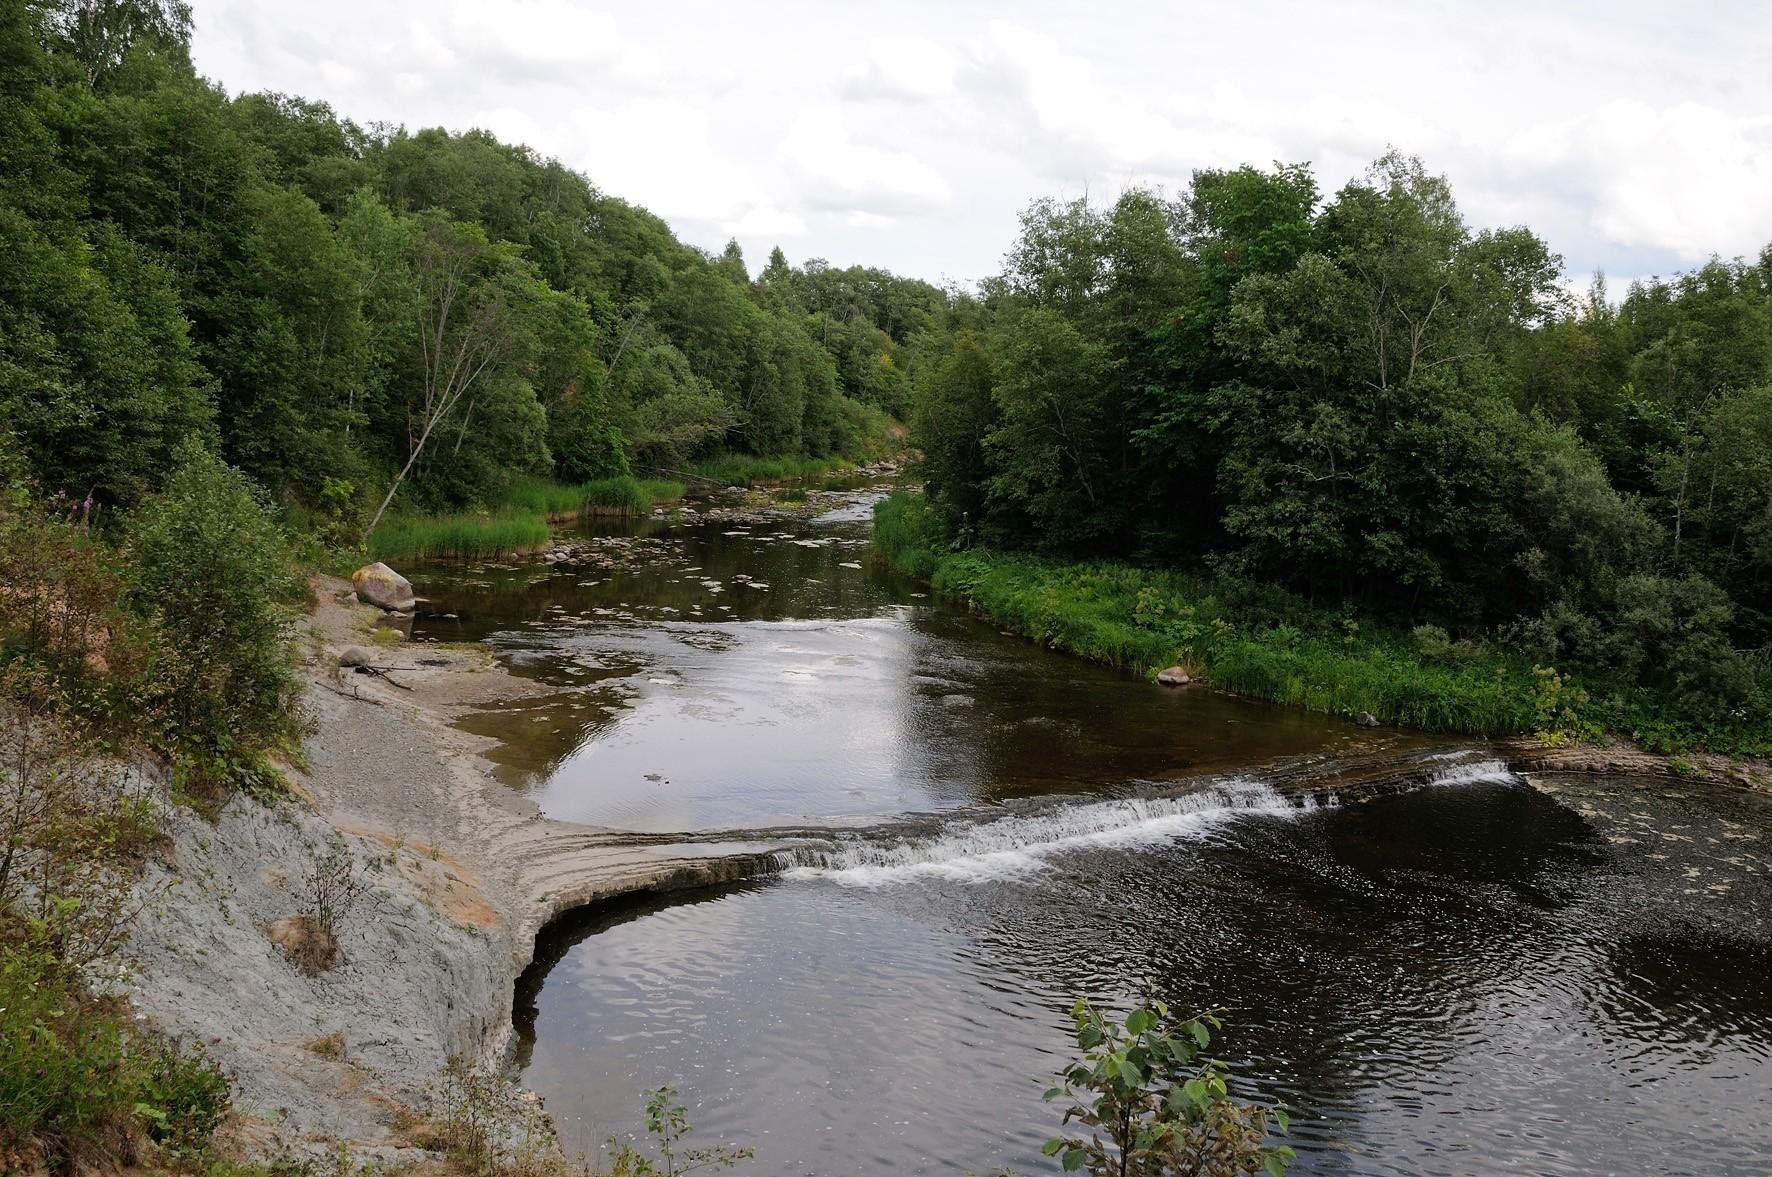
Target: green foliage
478 536
742 470
616 496
1268 646
184 1099
521 525
211 571
907 534
419 314
1155 1103
1363 402
667 1121
88 1090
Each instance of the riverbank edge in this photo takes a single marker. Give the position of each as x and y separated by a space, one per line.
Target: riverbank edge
963 579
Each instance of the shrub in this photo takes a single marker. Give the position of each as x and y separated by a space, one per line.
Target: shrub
184 1098
667 1122
90 1093
71 828
1155 1103
211 571
62 1077
331 890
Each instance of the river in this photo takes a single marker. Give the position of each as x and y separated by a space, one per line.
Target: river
1460 972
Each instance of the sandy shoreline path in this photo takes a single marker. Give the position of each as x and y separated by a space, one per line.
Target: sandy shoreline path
460 874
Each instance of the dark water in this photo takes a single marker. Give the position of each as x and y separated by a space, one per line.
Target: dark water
1479 976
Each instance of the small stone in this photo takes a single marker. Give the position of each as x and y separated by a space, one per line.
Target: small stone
356 656
1175 676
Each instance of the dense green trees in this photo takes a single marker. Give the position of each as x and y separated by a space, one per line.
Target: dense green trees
393 315
1364 401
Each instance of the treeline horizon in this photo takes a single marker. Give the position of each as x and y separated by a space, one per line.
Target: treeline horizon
1352 396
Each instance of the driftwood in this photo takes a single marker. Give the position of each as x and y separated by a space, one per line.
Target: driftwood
382 672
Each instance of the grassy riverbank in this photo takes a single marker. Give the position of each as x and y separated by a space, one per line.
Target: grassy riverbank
606 496
746 470
1266 643
519 527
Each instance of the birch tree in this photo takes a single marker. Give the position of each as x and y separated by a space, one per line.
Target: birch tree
465 331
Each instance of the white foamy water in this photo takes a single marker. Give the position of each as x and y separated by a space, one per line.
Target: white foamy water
1016 847
1477 772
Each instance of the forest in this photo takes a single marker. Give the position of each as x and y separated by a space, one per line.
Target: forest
1319 409
339 311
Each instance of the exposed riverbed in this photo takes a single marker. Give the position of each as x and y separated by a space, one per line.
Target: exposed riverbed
1470 975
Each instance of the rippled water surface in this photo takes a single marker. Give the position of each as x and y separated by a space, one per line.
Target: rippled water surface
1478 975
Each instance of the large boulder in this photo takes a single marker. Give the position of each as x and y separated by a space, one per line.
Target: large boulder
1175 676
380 585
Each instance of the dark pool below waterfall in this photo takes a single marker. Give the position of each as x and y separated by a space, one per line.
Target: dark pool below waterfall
1470 975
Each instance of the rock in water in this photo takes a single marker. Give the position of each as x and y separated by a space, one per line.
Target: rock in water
380 585
1366 719
1175 676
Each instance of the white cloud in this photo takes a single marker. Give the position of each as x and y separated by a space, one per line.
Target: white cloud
835 171
914 69
1687 178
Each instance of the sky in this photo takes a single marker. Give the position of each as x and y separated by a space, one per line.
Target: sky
1636 138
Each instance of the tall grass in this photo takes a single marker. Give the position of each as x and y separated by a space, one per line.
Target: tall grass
745 470
1251 642
522 526
439 537
621 496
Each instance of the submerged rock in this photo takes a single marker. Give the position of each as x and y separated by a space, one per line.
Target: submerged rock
380 585
1175 676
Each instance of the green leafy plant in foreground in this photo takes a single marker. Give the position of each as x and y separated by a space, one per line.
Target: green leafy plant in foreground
1155 1103
668 1123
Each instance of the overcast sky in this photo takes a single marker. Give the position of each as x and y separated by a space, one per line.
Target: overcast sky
1636 137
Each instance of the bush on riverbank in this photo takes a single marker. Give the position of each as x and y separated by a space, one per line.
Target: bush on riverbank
81 1088
1155 1104
171 630
1265 643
